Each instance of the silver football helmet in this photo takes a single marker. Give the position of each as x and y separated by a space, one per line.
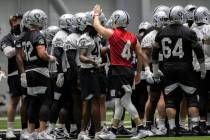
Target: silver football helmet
120 18
190 11
89 17
38 18
81 21
50 32
67 21
108 24
144 26
201 15
160 19
25 22
164 8
177 15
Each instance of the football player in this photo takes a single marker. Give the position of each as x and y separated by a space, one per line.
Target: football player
140 94
121 43
202 29
160 20
174 41
34 72
90 49
15 90
72 52
62 90
190 9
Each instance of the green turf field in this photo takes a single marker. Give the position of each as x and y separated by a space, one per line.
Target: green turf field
3 126
172 138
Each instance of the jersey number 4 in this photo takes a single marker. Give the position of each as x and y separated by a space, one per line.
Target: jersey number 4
126 53
177 49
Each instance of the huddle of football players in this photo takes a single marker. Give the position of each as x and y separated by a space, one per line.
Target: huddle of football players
63 75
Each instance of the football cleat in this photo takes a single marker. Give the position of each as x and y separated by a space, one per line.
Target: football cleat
172 132
45 135
107 136
139 135
83 136
123 131
61 133
203 128
10 134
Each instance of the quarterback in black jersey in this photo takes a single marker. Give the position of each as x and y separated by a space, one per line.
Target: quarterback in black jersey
31 47
177 43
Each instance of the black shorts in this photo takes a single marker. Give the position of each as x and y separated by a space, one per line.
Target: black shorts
15 88
103 81
180 73
204 88
89 83
180 79
120 76
37 83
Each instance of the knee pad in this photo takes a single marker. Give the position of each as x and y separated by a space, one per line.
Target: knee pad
127 104
118 109
127 88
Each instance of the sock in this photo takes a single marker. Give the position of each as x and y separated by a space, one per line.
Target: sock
24 125
140 127
161 123
51 126
73 128
10 125
195 121
114 130
171 123
61 125
148 123
121 124
182 121
103 123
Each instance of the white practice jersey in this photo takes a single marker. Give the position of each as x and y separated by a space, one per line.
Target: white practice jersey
93 47
149 40
71 43
203 34
58 41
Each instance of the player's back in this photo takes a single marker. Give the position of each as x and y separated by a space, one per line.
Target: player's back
176 44
29 42
121 46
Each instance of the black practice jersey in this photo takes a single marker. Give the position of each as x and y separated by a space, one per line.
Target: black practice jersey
176 43
9 40
29 41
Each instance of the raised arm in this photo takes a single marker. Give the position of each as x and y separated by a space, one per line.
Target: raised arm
105 32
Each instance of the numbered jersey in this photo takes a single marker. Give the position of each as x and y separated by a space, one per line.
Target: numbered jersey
93 47
29 41
121 46
175 42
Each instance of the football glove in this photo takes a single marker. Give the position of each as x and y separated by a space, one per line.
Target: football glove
149 75
60 80
23 80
